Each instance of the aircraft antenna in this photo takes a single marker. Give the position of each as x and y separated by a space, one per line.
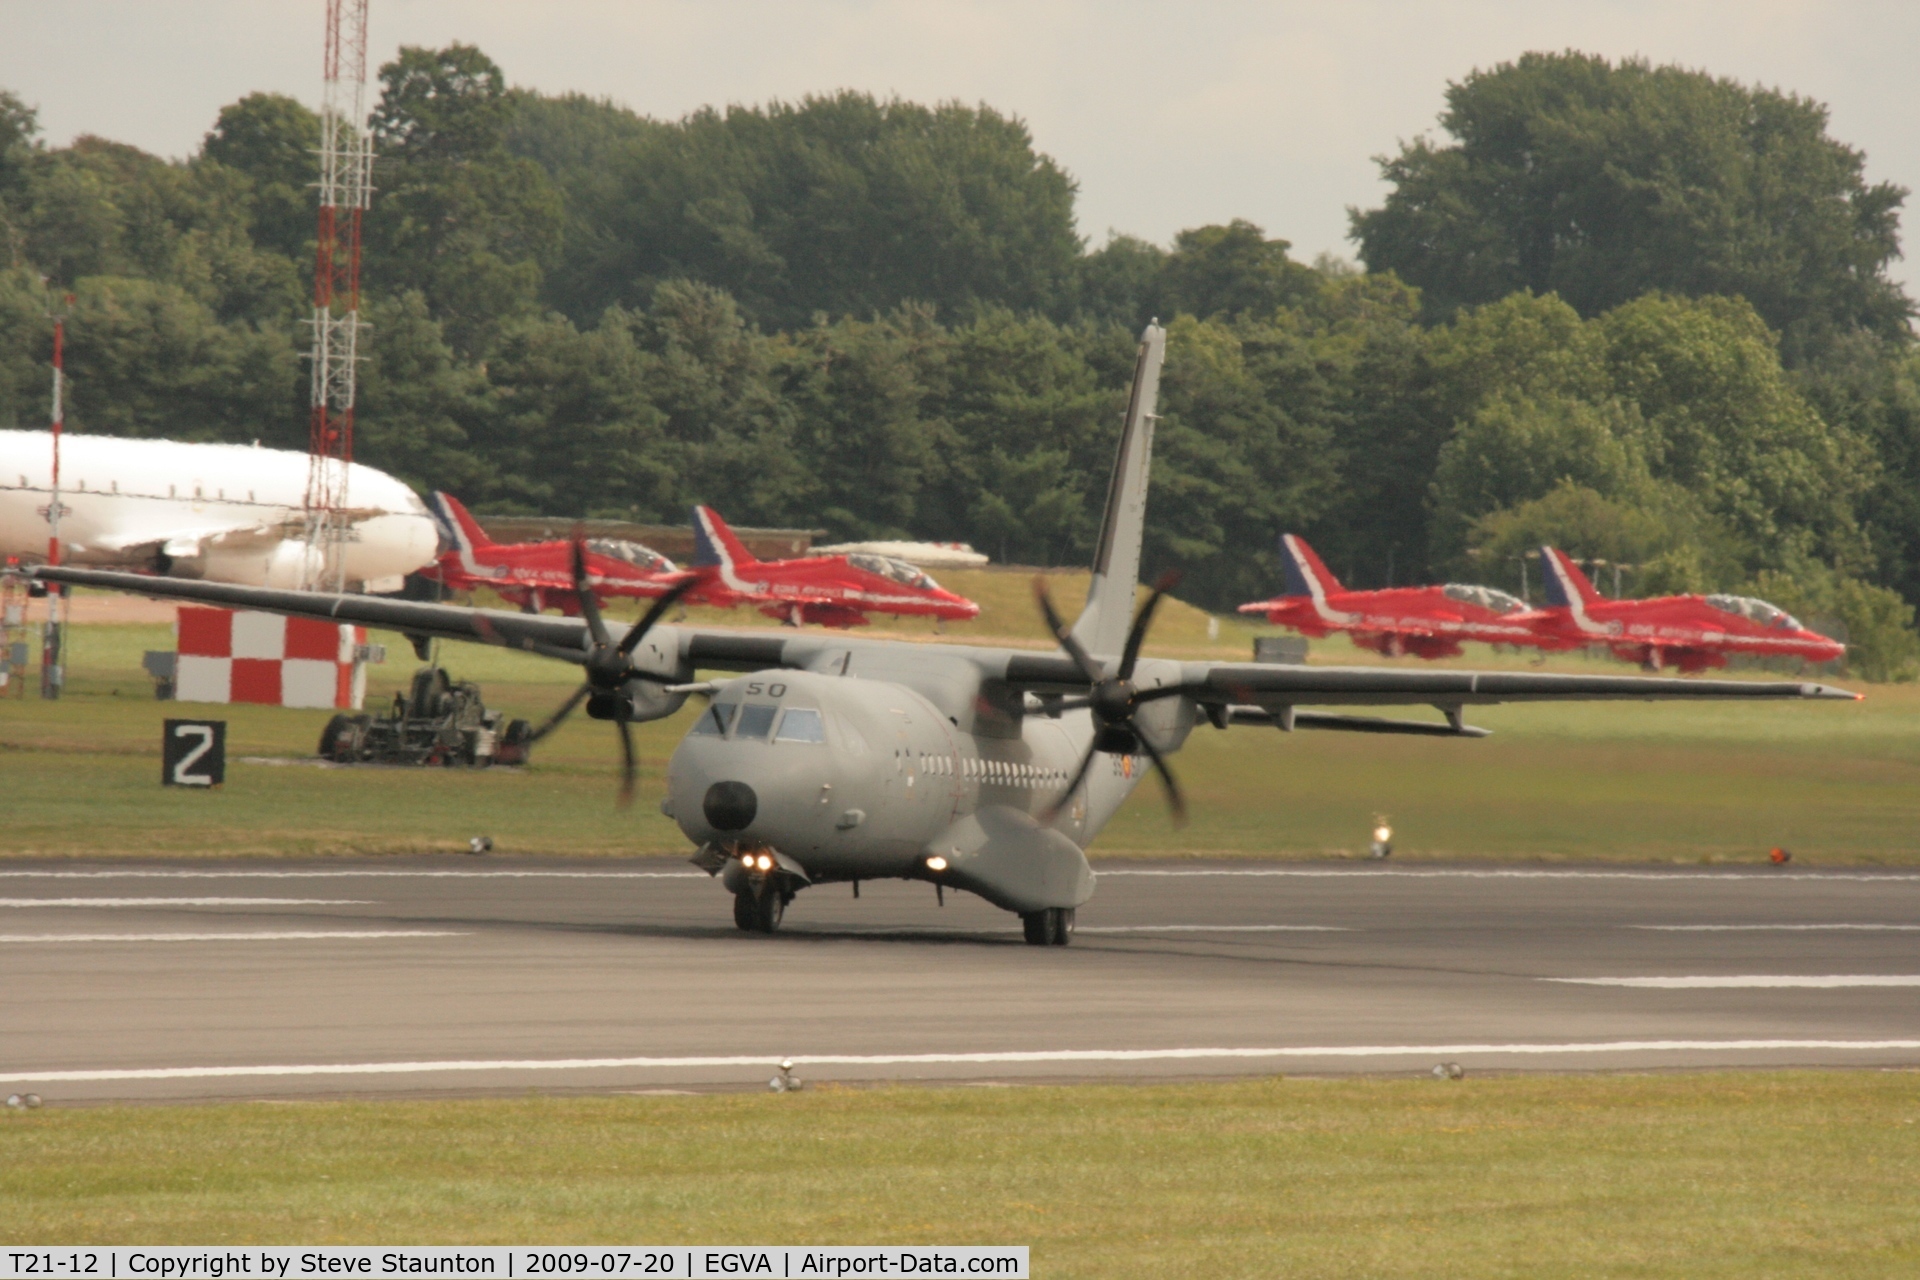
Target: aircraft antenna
346 184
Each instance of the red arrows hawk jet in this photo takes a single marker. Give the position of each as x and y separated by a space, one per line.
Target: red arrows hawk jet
1692 633
1428 622
835 591
539 575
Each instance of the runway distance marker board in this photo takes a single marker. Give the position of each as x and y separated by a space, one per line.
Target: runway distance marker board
193 753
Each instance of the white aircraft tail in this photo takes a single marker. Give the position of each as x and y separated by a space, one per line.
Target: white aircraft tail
1102 625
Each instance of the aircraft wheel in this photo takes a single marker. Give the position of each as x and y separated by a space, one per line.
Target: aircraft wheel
1051 927
330 736
768 910
744 909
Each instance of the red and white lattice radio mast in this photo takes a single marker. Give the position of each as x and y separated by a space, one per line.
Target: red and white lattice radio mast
346 173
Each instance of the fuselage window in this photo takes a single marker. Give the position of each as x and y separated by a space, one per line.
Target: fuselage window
755 719
714 723
801 724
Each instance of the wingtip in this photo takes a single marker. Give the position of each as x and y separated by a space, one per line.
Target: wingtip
1831 693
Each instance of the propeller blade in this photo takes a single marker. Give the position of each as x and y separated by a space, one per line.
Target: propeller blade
1138 635
629 770
1175 801
589 607
566 709
653 615
1081 658
1079 776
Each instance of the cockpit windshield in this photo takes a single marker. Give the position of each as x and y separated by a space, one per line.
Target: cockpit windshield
1485 597
1759 611
634 553
897 570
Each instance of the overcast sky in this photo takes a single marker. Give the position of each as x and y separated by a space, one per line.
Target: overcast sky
1168 115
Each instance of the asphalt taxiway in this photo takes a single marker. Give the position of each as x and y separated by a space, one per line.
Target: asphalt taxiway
387 977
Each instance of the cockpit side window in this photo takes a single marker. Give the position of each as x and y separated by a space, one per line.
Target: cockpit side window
1486 597
634 553
801 724
895 570
755 719
1767 615
714 720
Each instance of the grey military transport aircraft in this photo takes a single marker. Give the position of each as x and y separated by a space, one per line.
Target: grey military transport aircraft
830 758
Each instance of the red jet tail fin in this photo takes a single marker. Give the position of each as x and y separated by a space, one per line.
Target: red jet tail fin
460 525
715 544
1305 574
1567 587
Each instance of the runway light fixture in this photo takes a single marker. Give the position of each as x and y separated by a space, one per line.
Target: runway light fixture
1382 846
936 863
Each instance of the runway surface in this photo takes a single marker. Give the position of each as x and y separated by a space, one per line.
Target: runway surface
386 977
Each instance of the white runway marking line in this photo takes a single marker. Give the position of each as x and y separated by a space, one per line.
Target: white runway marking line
1823 981
1756 876
185 902
1213 928
278 935
347 872
1779 928
965 1059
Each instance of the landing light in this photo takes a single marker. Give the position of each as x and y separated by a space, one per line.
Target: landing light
936 863
764 862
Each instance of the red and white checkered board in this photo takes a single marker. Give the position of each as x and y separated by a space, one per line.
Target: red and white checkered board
240 656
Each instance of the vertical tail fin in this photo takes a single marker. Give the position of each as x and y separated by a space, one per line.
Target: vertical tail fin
1567 587
459 525
1102 625
1305 574
715 544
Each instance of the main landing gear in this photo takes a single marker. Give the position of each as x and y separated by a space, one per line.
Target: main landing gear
1051 927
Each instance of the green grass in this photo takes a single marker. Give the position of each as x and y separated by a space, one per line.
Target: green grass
1707 1175
1835 783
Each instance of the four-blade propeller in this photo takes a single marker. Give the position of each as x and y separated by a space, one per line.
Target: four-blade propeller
609 667
1113 698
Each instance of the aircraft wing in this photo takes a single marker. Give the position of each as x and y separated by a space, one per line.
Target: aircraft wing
533 632
1225 689
1278 684
563 638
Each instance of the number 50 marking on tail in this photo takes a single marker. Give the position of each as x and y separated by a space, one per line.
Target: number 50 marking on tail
193 753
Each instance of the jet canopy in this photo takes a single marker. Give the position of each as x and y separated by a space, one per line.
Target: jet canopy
634 553
897 570
1759 611
1485 597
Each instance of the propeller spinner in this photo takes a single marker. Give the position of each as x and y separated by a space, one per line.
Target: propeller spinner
609 667
1113 698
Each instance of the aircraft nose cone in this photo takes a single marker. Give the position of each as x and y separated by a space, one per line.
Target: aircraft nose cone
730 806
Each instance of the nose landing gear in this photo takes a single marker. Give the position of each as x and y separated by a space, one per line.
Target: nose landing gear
759 911
1050 927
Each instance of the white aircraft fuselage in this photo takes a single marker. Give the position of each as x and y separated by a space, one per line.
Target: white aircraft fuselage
220 512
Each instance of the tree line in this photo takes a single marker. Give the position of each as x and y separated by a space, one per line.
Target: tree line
1637 311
